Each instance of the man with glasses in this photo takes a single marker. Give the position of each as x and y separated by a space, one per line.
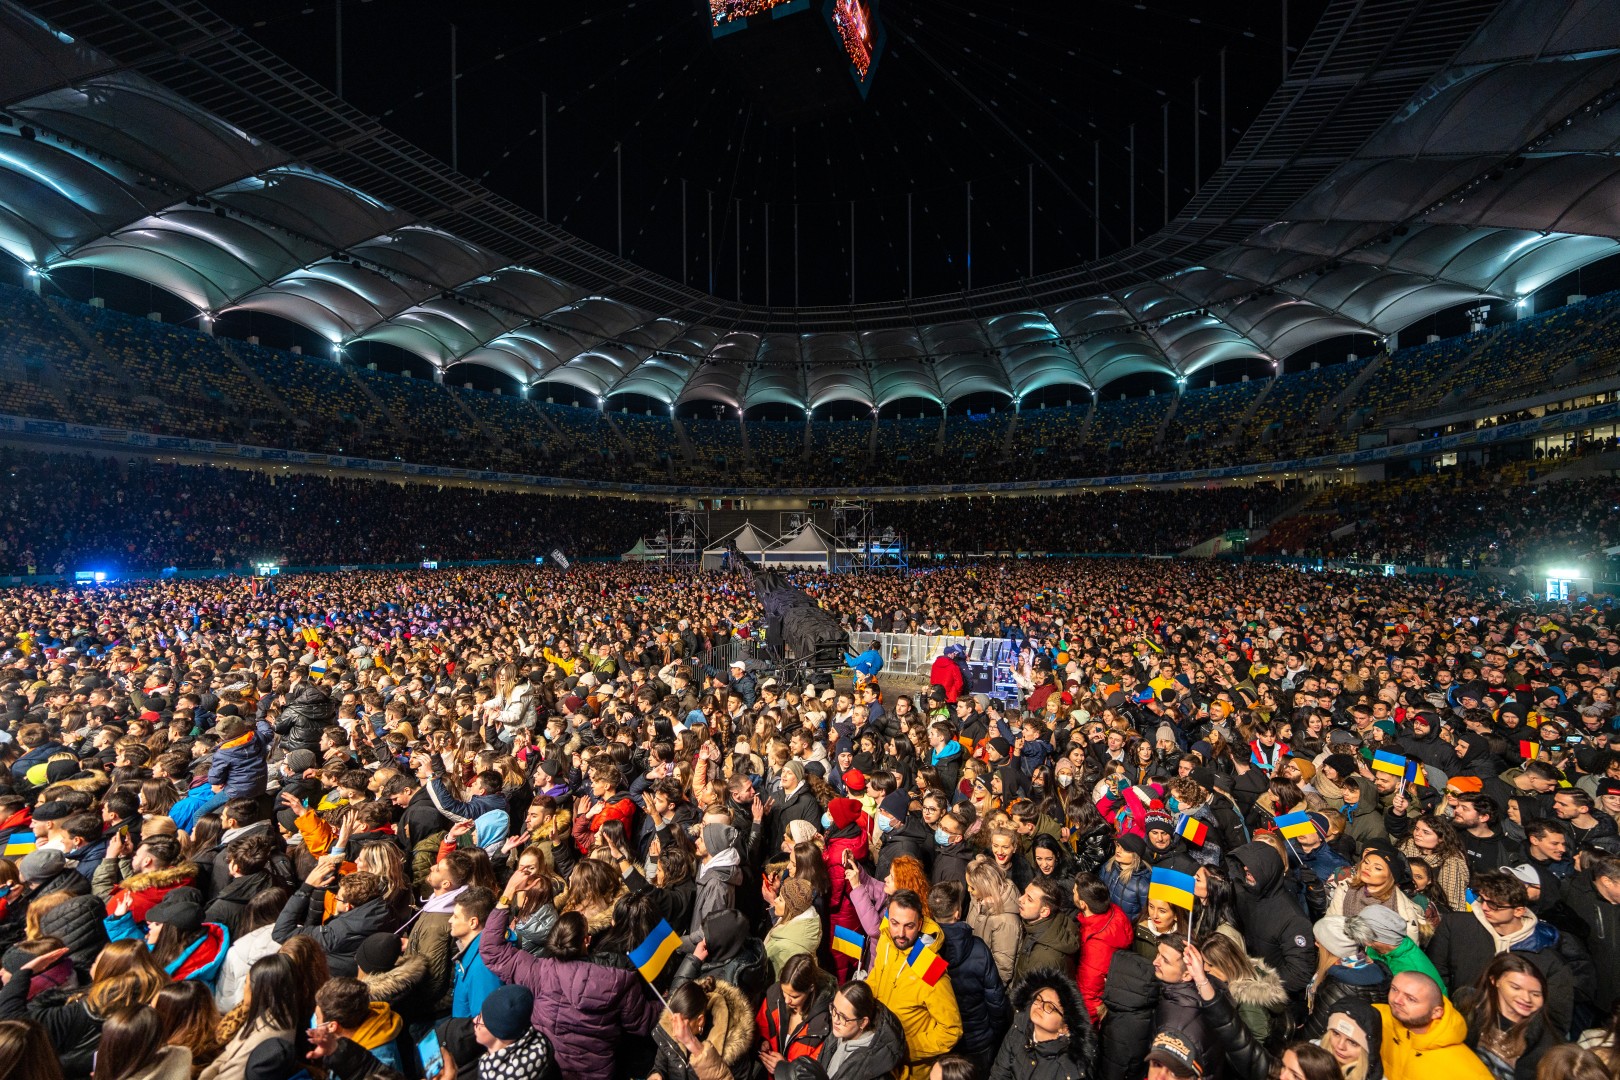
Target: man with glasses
1467 942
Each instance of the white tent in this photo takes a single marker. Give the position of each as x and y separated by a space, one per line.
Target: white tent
750 541
811 548
641 553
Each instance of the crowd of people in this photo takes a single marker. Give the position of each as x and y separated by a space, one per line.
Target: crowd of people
541 824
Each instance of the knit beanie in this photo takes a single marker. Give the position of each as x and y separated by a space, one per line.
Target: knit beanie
844 812
1158 818
797 896
897 804
378 953
507 1010
801 831
1343 764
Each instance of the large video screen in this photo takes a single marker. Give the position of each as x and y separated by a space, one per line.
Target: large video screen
727 11
853 20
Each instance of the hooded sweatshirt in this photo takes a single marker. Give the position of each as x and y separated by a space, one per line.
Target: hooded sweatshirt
1440 1050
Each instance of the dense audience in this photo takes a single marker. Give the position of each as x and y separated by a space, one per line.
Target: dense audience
1464 519
173 380
1239 821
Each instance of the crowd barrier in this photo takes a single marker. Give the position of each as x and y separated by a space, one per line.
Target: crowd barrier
989 660
58 432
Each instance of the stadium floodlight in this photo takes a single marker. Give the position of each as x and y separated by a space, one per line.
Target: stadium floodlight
1521 301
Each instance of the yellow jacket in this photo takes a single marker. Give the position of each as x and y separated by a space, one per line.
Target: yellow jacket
1441 1051
928 1014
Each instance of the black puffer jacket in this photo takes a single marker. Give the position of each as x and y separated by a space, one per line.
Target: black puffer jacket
1094 848
1339 988
746 967
980 996
1274 928
308 712
74 1032
340 936
78 923
1071 1058
1131 996
1245 1057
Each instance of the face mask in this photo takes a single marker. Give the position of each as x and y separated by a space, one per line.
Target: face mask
885 823
1172 804
942 838
1065 779
826 821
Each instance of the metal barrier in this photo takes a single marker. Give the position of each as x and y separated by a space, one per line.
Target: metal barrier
989 660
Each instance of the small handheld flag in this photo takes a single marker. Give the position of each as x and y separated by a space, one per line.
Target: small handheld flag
651 955
1415 774
849 942
926 963
1386 762
1295 825
1469 896
20 843
1192 830
1529 750
1172 886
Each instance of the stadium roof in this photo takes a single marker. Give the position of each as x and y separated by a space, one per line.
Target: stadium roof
1421 154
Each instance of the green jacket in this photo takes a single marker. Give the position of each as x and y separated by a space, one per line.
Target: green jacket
789 939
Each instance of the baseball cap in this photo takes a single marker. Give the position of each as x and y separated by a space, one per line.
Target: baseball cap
1524 872
1174 1050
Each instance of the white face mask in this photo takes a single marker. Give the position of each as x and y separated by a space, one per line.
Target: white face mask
1065 779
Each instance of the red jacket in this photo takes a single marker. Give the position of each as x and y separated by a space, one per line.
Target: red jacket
945 673
841 906
806 1040
1100 937
616 807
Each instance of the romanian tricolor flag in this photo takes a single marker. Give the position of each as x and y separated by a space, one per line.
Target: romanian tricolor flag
19 844
1192 830
1529 750
849 942
1172 886
927 964
1414 772
1386 762
1295 824
651 955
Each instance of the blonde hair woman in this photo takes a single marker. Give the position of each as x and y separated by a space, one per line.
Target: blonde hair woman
993 913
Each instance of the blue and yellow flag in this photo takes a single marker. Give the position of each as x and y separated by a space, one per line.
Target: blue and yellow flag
651 955
1172 886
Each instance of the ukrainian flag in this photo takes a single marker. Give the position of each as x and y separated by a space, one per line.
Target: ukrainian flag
651 955
849 942
1172 886
1295 824
20 843
1386 762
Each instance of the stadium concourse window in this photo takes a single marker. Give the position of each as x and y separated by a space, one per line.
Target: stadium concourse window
62 360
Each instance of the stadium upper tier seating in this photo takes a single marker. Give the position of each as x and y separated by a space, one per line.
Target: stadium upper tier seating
64 360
